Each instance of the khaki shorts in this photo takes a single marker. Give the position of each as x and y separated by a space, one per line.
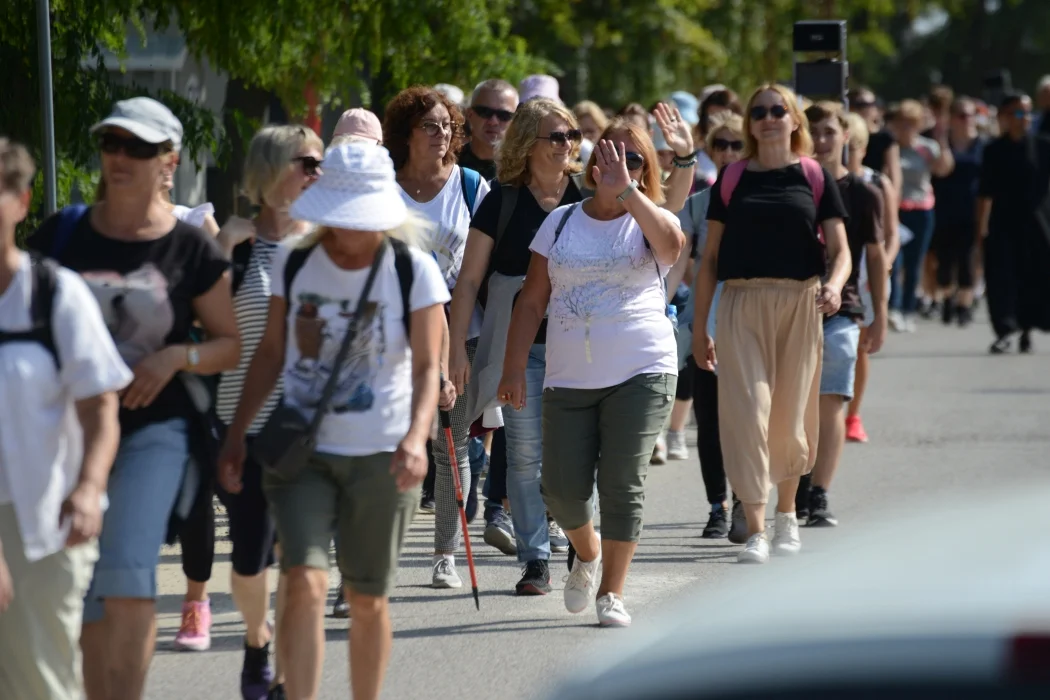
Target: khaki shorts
40 631
354 499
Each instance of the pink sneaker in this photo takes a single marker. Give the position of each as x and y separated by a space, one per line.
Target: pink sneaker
195 632
855 430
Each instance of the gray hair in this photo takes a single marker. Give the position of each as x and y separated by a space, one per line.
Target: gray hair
496 85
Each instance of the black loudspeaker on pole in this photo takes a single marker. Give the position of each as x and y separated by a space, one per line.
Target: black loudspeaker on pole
826 77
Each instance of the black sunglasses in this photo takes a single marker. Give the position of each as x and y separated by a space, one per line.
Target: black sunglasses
311 165
723 144
758 112
635 161
133 147
863 104
560 138
487 113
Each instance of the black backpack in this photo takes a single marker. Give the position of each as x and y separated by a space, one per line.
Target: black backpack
42 300
402 263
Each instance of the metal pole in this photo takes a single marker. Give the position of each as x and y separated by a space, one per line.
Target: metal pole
47 105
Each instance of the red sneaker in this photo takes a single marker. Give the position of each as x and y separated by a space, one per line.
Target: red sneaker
855 430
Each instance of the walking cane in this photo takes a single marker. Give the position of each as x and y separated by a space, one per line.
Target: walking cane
446 423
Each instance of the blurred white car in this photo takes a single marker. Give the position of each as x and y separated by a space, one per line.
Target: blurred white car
930 605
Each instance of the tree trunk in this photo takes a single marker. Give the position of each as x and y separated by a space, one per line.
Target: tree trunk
224 183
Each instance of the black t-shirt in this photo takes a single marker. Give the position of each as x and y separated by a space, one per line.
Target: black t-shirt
468 159
1014 177
146 291
771 225
878 144
864 204
511 257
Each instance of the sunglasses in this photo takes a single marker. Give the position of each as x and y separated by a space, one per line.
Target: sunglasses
759 113
862 104
487 113
723 144
433 129
133 147
560 138
311 165
635 161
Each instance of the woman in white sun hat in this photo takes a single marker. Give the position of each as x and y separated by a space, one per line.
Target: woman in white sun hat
363 478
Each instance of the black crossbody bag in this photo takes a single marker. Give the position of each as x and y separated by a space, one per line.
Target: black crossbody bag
287 441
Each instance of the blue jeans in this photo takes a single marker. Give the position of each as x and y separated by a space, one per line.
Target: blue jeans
903 295
524 431
476 451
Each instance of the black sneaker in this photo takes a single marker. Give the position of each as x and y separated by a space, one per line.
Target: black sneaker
1025 346
256 673
1000 346
426 503
341 608
277 693
717 524
802 498
948 311
819 515
964 316
738 529
536 578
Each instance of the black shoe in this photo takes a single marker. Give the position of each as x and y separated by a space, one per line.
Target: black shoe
256 673
819 515
341 608
802 498
738 529
964 316
1000 346
948 311
1025 345
717 525
426 503
472 503
277 693
535 579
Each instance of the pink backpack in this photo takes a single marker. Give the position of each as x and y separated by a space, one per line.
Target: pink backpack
810 168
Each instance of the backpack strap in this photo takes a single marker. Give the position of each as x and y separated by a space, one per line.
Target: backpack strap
241 258
730 179
405 277
508 200
68 218
43 288
296 260
470 180
815 177
564 220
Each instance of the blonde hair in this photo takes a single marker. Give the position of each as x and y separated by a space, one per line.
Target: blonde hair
512 161
723 120
270 154
911 111
591 109
650 183
858 131
801 141
416 231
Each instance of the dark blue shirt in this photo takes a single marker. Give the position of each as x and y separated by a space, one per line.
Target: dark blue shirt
956 194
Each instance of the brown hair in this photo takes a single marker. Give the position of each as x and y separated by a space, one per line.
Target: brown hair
801 141
719 98
17 168
512 160
404 113
827 110
940 98
650 183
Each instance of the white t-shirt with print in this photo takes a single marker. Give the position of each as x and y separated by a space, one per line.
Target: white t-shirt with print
447 240
608 313
41 441
370 411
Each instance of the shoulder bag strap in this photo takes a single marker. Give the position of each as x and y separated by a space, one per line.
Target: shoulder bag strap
344 349
564 220
508 200
405 277
730 179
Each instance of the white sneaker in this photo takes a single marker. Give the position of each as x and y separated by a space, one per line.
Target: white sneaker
786 541
660 451
909 325
756 551
612 612
582 584
445 575
676 447
896 321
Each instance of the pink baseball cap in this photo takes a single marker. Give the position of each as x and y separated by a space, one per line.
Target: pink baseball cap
360 123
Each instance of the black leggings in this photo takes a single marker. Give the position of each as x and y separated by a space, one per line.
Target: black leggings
708 442
498 467
197 537
953 245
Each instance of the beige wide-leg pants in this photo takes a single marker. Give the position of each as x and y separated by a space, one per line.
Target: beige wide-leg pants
769 342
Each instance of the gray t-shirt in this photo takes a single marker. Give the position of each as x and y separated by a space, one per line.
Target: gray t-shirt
916 190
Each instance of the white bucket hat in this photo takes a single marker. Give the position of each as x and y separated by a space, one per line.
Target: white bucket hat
356 191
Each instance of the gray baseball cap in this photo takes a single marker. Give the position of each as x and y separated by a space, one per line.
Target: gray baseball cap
147 119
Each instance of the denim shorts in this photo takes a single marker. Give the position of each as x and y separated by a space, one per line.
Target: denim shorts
841 336
143 486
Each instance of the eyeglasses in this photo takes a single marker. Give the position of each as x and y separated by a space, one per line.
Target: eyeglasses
560 138
723 144
635 161
133 147
758 112
433 129
311 165
487 113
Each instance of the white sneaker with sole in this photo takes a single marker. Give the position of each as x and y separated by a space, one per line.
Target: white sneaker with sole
676 447
756 551
659 451
582 584
445 575
786 541
612 612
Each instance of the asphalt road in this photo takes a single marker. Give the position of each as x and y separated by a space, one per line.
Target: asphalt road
946 421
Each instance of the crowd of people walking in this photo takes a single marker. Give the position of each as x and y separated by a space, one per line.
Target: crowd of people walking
492 284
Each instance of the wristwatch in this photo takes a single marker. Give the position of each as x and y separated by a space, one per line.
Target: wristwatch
623 195
193 356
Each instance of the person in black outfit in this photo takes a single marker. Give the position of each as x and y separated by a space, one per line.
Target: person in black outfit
1013 219
883 154
491 108
954 236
